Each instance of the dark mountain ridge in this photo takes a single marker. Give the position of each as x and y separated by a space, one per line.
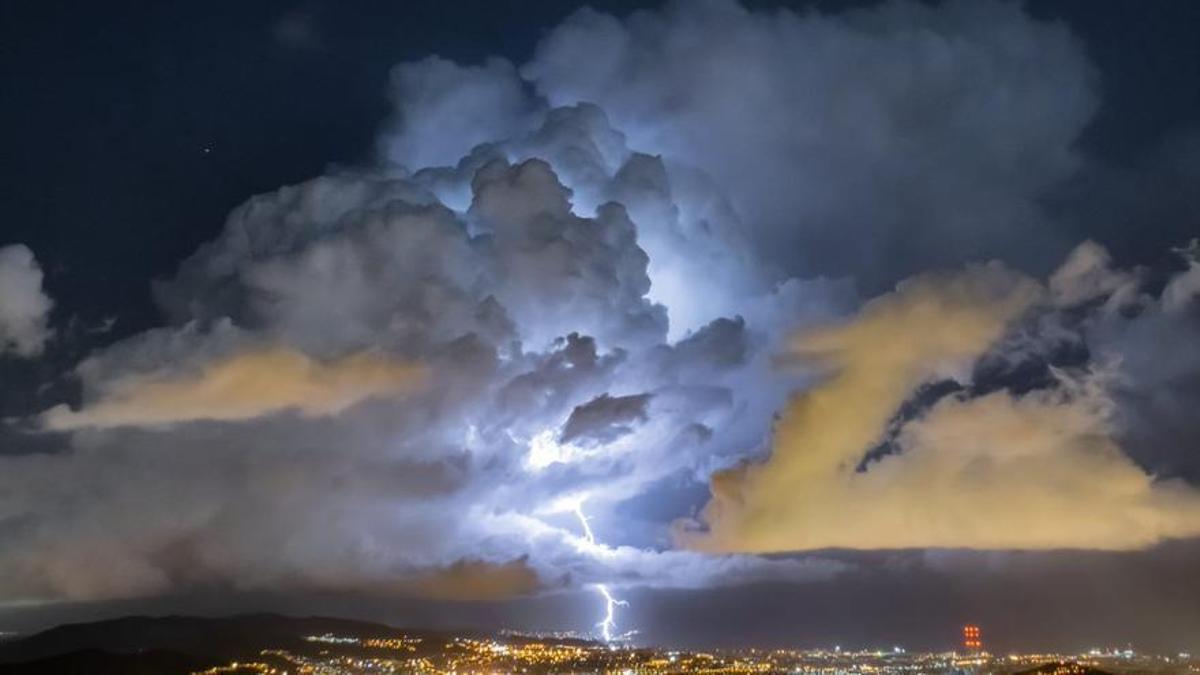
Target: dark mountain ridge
198 638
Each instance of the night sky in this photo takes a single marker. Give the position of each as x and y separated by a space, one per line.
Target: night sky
801 323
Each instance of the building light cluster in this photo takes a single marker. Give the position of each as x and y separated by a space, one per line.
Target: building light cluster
971 638
404 644
242 668
511 653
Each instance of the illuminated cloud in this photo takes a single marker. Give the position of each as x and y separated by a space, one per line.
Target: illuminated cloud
529 321
24 306
240 387
1039 470
877 142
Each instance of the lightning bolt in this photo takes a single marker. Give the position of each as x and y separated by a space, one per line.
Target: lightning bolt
610 611
609 623
583 523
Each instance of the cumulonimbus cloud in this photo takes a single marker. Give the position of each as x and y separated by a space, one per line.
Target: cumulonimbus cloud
881 140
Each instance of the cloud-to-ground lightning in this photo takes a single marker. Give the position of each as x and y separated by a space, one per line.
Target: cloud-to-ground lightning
610 610
609 623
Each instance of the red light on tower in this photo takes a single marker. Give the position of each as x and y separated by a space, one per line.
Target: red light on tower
972 639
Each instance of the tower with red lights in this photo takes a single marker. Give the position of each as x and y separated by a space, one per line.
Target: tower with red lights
972 638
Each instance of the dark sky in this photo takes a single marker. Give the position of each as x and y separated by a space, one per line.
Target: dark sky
132 129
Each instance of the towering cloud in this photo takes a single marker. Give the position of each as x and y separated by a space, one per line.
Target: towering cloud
24 306
362 378
880 140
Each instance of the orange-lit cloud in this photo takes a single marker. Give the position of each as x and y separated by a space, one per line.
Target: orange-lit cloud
241 387
1037 471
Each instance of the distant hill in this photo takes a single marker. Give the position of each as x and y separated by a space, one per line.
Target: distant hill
167 645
